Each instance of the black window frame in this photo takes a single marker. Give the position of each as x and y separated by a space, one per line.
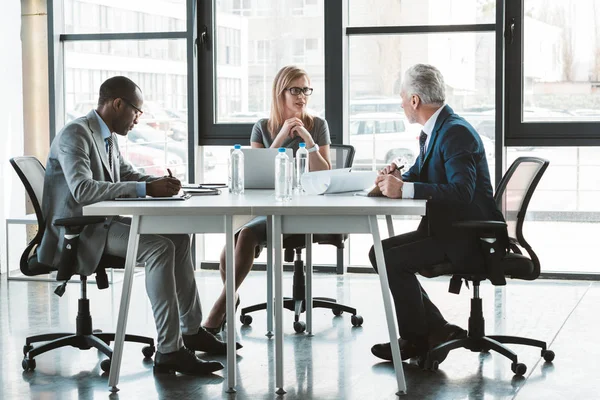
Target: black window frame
534 133
211 133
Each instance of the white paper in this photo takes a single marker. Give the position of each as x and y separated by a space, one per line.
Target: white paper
337 181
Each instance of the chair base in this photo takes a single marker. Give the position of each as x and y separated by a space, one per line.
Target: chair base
298 306
477 341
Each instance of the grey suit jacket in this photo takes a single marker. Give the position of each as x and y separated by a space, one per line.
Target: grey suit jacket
78 174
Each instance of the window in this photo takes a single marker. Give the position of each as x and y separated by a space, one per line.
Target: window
92 54
553 72
249 50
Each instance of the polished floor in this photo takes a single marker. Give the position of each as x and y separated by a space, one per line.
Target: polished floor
334 363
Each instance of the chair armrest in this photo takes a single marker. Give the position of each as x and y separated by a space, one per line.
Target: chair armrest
480 225
78 221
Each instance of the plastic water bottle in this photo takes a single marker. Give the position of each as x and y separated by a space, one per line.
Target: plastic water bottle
236 170
301 164
283 189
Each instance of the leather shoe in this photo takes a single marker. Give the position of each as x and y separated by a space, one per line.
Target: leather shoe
184 361
445 334
206 342
408 350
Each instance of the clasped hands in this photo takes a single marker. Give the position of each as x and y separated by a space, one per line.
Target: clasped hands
389 181
293 127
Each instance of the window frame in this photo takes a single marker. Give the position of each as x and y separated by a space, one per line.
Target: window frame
535 133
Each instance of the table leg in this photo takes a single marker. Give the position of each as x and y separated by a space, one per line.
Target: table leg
308 287
390 225
389 310
230 302
277 245
130 260
269 276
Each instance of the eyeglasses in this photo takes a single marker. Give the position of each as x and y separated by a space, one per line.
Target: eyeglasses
138 112
297 90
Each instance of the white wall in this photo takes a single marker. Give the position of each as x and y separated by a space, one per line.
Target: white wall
12 200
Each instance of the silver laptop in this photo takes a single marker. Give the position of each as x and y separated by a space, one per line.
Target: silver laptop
259 167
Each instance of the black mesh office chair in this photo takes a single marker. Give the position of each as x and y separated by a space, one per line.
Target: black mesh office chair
31 172
341 157
512 197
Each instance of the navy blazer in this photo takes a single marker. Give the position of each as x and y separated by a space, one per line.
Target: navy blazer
455 180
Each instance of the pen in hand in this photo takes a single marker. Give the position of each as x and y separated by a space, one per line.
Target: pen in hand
170 173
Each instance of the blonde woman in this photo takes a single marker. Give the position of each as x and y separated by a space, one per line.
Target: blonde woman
288 125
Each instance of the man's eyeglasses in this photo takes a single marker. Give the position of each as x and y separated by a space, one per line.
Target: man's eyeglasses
138 112
297 90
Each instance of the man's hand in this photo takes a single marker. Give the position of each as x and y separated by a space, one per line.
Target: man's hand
391 169
390 186
163 187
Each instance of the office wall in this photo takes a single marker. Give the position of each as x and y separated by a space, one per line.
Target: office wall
11 121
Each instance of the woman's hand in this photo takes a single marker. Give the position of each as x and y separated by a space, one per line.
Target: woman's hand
304 135
289 126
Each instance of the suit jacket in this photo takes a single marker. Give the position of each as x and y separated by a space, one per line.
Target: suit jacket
78 174
455 180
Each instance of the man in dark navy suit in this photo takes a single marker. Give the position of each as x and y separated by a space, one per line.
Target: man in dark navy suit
452 173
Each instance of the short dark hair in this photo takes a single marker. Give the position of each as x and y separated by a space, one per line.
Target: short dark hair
117 87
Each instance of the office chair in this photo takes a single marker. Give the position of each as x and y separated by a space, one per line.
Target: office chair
512 198
341 157
31 172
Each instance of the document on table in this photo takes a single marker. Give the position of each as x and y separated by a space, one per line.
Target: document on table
177 197
337 181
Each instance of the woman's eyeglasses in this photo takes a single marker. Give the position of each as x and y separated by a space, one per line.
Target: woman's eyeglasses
297 90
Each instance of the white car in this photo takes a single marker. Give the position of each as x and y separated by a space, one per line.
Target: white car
380 138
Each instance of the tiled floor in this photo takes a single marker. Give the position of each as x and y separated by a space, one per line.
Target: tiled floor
334 363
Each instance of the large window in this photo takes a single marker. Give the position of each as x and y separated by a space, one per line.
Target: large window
553 72
246 44
104 38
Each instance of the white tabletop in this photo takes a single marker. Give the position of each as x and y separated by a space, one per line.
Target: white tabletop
261 202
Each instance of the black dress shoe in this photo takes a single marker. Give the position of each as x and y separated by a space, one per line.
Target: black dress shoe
408 350
184 361
206 342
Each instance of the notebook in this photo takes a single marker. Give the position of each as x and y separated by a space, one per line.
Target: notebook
259 167
177 197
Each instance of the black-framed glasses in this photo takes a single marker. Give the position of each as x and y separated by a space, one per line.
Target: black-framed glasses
297 90
130 104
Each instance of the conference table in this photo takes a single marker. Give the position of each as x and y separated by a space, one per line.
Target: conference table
225 213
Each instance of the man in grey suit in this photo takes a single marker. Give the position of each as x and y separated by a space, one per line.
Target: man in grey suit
85 166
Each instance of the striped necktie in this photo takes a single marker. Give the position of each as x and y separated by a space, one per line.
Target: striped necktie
422 140
109 140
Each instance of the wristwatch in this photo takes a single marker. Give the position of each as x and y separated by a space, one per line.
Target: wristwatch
314 148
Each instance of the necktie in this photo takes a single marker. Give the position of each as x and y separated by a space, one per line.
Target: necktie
422 140
109 140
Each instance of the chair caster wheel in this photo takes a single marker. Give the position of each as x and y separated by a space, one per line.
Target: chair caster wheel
105 365
246 319
548 355
518 368
148 351
299 326
26 349
28 364
356 320
337 312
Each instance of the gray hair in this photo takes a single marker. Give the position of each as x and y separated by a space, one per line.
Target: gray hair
427 82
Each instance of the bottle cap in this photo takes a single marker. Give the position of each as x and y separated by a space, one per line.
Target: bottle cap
237 146
282 149
302 144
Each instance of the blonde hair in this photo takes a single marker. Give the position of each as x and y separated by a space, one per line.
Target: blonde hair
281 82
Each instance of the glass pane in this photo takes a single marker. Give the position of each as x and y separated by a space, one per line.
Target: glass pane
563 217
561 60
159 67
103 16
421 12
253 40
378 128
